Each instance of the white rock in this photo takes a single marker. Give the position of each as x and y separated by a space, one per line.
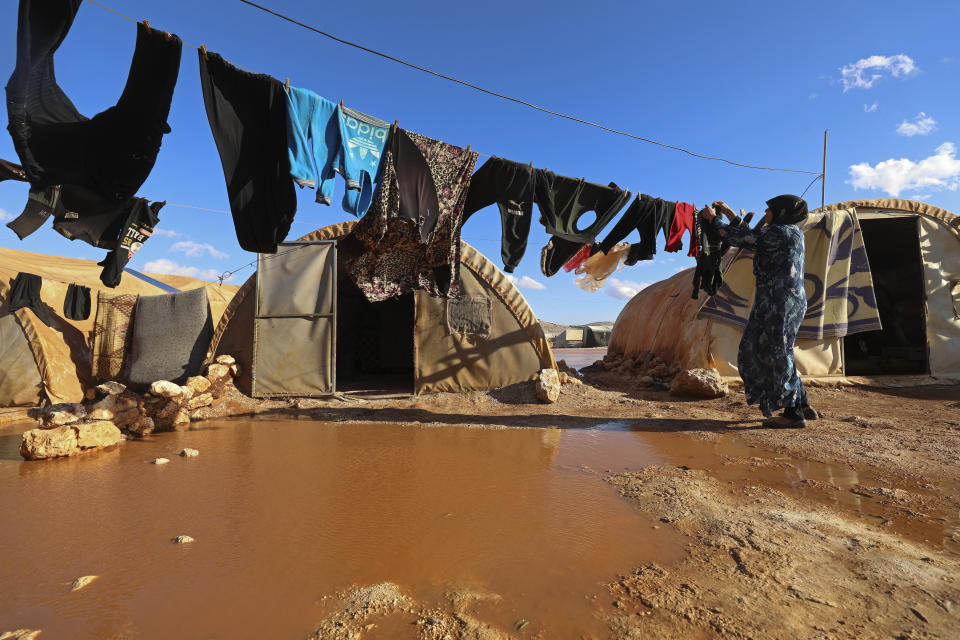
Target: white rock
20 634
165 389
183 539
202 400
198 384
59 414
111 388
217 372
81 582
225 359
39 444
189 453
161 460
699 383
102 433
548 385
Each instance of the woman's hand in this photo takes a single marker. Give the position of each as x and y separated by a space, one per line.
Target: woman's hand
708 213
724 209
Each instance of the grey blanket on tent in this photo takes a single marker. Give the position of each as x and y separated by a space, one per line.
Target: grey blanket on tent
171 334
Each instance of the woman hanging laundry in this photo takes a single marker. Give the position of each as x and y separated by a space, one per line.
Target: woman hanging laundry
765 359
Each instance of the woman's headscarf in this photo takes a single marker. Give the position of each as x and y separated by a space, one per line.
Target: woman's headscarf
788 209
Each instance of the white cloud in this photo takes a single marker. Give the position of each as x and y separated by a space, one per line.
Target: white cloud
870 108
169 233
526 282
196 249
6 215
921 126
172 268
623 289
920 196
939 171
813 96
863 73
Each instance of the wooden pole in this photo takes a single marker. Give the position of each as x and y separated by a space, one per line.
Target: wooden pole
823 175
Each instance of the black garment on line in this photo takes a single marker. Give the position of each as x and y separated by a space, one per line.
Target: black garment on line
514 187
41 204
12 171
25 293
648 215
248 117
109 156
417 192
570 200
708 274
137 229
76 306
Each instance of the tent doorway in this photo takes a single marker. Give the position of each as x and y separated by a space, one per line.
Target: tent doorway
900 348
374 341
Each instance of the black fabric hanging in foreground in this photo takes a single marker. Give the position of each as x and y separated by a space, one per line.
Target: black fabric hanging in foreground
137 229
649 216
25 293
12 171
107 157
248 117
514 187
570 199
76 306
708 275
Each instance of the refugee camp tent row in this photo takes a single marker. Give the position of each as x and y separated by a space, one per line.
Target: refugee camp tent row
55 363
889 309
583 336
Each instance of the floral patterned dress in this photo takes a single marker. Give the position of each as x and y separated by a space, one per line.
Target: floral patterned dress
410 237
765 358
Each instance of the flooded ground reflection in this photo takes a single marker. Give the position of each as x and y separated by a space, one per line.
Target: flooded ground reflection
285 512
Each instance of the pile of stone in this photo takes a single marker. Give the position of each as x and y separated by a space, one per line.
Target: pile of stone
649 369
112 409
653 372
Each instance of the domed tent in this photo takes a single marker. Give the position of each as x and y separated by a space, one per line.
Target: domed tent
912 284
413 343
53 363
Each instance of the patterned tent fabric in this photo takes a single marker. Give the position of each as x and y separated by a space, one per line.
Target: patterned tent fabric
111 334
839 285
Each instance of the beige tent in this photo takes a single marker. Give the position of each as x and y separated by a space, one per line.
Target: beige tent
407 344
41 363
914 256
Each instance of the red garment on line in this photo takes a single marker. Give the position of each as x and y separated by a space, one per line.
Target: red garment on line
682 221
578 259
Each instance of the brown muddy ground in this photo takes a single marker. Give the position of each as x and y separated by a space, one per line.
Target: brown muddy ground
847 529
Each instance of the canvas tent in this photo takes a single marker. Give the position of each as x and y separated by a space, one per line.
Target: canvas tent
588 335
41 363
913 250
414 343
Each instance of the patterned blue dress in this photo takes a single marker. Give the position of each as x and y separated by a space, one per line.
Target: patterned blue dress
765 359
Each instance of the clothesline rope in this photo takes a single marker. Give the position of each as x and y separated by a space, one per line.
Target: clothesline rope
516 100
229 273
482 90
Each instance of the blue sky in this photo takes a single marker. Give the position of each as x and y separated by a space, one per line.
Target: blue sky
756 82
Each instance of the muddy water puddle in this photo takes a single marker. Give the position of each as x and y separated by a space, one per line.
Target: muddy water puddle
284 513
287 513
